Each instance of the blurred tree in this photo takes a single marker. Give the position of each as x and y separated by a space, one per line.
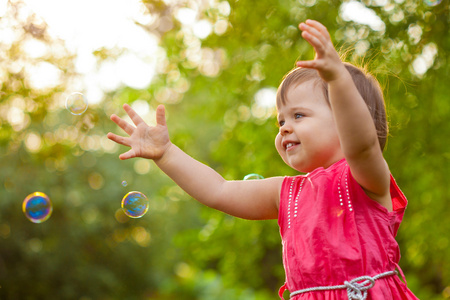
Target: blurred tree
216 78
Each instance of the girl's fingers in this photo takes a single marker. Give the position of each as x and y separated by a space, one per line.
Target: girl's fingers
315 42
133 115
161 115
317 35
319 27
123 124
129 154
118 139
313 32
313 37
310 64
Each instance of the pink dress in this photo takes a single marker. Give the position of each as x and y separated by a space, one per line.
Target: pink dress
332 233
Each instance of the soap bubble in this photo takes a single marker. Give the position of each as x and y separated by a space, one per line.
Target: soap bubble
135 204
432 2
124 183
253 176
76 103
37 207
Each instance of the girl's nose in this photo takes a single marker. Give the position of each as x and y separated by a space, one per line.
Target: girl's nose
285 129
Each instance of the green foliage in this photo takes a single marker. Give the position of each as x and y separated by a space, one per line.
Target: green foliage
181 250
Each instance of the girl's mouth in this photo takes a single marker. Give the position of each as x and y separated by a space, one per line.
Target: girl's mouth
290 145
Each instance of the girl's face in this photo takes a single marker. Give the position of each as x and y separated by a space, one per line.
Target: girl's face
308 137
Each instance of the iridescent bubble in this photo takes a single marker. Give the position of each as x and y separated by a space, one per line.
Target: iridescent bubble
135 204
432 2
253 176
124 183
37 207
76 103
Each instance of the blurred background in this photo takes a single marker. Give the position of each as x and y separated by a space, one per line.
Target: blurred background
215 65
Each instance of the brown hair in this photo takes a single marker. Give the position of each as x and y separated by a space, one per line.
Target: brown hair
368 87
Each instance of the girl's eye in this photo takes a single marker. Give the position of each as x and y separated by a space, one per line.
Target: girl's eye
280 123
298 115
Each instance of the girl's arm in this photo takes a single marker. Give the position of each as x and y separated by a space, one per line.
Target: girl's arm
253 199
354 123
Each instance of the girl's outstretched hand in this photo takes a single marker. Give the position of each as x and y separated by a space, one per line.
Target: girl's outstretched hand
145 141
327 61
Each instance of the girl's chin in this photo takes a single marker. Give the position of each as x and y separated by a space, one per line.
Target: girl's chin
298 167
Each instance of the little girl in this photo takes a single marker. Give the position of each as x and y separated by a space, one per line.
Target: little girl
339 221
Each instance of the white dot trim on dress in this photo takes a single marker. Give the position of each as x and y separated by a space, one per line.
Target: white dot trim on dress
344 196
295 201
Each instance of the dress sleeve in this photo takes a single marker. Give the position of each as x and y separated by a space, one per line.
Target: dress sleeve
399 204
284 194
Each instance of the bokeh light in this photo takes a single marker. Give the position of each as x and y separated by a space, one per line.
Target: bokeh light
37 207
76 103
135 204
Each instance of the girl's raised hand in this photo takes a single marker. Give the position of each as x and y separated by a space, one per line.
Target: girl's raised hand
145 141
327 61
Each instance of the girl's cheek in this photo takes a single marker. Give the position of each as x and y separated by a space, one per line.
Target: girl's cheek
278 145
278 140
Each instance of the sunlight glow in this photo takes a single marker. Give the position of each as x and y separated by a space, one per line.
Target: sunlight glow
43 75
33 142
186 16
88 26
359 13
266 97
35 48
202 29
3 5
425 60
265 103
100 23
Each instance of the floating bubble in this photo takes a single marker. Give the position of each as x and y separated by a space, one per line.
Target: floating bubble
432 2
135 204
76 103
37 207
124 183
253 176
